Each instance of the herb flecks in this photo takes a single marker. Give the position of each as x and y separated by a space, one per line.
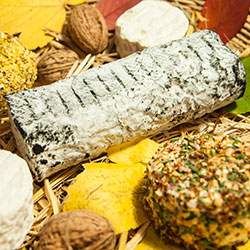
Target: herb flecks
204 181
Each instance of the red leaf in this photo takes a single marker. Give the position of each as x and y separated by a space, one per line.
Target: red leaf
226 17
112 9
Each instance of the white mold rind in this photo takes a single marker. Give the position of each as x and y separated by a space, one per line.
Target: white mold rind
16 204
62 124
147 24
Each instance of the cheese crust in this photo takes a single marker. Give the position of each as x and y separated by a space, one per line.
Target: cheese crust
198 191
62 124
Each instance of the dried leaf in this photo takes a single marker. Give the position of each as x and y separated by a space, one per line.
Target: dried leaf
111 190
139 152
111 10
152 241
226 17
29 18
242 105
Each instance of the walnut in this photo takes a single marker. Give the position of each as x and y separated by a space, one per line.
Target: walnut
55 65
88 29
79 229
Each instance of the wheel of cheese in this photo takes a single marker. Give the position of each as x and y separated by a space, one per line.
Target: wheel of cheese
147 24
16 206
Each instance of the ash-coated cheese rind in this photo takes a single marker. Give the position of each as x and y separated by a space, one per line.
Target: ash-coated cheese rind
16 205
147 24
62 124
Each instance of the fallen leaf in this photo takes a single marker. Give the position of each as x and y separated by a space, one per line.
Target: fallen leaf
226 17
139 152
29 18
111 10
152 241
244 247
242 105
111 190
74 2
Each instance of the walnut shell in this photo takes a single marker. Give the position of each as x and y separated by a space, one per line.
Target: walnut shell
88 29
79 229
55 65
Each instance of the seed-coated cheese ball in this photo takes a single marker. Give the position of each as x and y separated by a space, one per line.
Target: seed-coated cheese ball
198 191
17 66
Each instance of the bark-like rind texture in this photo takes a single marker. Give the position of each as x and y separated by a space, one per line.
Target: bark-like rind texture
62 124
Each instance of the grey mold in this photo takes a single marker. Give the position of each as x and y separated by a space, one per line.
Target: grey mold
59 125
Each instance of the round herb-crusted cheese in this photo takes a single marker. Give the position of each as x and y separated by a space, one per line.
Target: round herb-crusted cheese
198 191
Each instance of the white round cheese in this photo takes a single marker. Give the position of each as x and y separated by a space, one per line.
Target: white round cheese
147 24
16 205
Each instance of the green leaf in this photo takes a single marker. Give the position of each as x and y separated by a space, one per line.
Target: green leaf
242 105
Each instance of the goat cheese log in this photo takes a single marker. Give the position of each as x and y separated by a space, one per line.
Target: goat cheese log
62 124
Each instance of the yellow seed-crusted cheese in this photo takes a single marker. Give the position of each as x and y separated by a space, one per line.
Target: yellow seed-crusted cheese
17 66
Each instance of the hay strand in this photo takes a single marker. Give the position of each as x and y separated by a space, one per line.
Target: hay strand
133 243
122 241
49 196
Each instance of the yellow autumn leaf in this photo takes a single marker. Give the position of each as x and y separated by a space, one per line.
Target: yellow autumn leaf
74 2
244 247
139 152
152 241
111 190
30 17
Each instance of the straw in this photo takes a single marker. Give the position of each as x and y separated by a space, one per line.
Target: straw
49 196
132 244
122 241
